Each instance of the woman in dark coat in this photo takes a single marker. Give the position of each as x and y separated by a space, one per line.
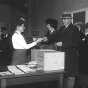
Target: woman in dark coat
51 25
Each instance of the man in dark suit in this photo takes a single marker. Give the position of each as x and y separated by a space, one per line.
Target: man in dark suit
68 40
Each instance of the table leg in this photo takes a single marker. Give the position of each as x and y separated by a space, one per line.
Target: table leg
3 83
60 81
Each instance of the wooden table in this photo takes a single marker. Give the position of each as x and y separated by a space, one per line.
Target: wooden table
34 77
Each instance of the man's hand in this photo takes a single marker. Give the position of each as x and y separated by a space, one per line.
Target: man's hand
58 44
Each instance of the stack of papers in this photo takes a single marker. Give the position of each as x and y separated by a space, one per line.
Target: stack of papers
15 70
25 68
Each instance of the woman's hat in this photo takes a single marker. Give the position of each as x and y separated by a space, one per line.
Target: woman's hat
53 22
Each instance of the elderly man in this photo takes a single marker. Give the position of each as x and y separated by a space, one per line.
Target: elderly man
68 40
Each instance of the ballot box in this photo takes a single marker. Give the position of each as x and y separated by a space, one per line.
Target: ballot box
48 60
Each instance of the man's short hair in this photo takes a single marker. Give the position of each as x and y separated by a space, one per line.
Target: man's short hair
21 21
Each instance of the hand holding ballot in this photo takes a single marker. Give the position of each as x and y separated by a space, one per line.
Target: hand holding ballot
45 39
38 40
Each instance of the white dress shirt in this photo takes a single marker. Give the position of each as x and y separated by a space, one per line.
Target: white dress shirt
19 42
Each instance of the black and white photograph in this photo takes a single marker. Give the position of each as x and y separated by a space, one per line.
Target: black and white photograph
43 43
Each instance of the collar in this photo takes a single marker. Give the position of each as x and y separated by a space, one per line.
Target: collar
17 32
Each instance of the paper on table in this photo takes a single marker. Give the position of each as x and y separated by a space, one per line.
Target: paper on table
15 70
25 68
5 73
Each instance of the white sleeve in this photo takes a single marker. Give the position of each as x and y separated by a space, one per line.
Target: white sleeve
20 43
31 45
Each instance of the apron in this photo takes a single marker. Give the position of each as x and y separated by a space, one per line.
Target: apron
19 56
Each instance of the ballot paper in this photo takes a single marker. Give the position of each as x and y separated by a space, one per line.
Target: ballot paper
15 70
25 68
